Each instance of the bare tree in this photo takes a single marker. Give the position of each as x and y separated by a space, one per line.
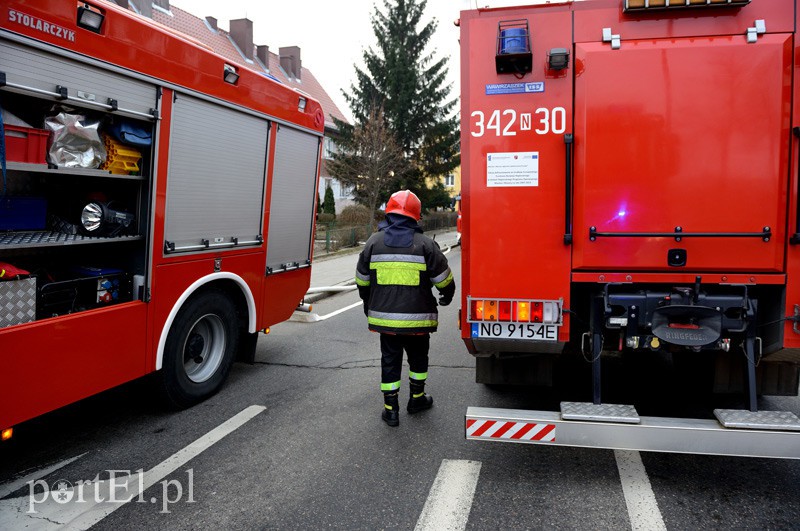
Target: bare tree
370 160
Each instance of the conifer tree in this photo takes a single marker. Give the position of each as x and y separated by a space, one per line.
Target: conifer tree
407 82
329 205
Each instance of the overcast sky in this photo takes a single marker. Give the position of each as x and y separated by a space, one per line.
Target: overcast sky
333 35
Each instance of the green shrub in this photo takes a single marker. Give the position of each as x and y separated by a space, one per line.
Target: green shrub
324 217
354 215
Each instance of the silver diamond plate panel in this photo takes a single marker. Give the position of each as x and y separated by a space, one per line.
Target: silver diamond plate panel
599 412
758 420
48 238
17 301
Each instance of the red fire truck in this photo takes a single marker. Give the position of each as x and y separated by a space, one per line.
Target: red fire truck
630 201
157 208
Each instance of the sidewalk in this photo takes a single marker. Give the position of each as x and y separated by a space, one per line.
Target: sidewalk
339 269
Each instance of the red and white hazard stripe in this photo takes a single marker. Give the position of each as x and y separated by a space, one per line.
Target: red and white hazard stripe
514 431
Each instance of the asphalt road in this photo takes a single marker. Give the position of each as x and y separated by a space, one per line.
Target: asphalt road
318 456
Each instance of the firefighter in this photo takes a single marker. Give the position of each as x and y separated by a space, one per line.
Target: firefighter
395 274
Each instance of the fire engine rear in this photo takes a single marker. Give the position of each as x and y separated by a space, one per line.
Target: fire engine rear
630 200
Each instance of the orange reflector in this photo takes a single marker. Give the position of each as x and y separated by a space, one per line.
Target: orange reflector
477 310
523 311
504 312
7 433
490 311
536 313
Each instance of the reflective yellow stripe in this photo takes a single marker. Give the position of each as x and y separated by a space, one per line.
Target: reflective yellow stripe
397 273
394 323
418 375
394 386
418 394
445 282
362 282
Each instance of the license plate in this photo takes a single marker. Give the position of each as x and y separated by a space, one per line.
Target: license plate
530 331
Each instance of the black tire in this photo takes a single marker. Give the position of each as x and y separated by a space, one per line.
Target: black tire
199 349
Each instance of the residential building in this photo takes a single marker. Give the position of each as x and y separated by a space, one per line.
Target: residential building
451 182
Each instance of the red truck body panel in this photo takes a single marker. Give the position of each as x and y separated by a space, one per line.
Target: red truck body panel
52 362
665 159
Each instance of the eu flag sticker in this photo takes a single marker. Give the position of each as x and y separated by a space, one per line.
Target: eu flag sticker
474 329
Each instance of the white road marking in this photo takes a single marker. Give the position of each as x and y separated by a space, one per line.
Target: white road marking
112 494
642 506
450 498
11 486
341 310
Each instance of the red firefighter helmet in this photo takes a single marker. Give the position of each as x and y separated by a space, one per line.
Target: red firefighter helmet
406 203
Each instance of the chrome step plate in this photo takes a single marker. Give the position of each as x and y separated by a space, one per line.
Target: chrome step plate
758 420
599 412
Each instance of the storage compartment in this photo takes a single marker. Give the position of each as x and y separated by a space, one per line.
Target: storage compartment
22 213
17 301
80 231
89 288
25 144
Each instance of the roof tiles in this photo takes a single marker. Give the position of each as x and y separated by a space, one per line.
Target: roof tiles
220 42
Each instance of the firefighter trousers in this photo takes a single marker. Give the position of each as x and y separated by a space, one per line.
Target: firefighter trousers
392 347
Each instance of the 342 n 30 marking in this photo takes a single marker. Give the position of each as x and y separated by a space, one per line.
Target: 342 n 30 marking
505 123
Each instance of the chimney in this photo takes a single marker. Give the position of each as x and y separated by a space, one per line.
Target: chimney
290 60
146 8
212 22
242 35
262 52
143 7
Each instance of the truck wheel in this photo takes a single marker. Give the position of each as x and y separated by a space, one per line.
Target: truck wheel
200 348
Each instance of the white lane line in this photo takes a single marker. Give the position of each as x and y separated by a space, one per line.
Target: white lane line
639 497
450 499
11 486
337 312
85 509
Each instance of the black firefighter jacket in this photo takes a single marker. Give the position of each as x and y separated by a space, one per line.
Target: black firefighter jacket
395 283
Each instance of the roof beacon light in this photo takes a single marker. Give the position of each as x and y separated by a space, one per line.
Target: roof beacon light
90 18
513 51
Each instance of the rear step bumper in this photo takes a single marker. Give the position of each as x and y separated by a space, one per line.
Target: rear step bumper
652 434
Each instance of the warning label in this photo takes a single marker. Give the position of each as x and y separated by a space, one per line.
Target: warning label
512 169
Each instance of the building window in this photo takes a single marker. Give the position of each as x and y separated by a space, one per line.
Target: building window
329 148
450 180
345 190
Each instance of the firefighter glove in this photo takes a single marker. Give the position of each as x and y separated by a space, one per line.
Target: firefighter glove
444 301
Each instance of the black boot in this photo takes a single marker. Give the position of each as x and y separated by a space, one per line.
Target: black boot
391 409
419 401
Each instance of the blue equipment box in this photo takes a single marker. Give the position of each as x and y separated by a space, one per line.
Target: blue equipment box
23 213
92 271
